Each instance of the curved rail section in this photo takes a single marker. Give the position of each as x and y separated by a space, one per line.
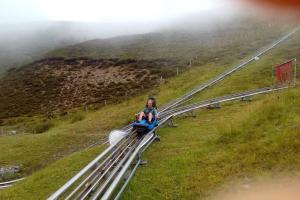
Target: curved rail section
101 178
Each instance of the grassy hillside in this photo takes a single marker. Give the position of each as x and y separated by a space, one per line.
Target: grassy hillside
50 138
240 143
65 137
246 139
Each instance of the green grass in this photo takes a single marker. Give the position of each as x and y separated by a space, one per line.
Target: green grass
258 74
37 152
256 140
50 178
69 134
203 154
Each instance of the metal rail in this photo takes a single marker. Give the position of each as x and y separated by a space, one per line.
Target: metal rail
9 183
102 175
107 175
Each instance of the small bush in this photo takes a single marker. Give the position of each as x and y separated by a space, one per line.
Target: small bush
77 117
42 127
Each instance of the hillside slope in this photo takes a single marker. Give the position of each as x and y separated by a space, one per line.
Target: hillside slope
191 160
235 145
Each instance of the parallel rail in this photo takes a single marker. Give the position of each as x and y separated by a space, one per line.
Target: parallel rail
102 180
8 184
150 137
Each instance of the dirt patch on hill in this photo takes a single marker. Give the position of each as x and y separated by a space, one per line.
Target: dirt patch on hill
58 84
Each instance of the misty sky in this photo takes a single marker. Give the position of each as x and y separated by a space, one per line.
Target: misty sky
15 11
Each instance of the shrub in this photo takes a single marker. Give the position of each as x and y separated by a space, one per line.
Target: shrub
42 127
77 117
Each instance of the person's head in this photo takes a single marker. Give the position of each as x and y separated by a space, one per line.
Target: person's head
151 102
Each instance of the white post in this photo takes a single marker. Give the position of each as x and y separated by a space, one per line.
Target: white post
177 71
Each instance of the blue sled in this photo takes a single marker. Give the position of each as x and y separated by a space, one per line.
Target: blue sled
143 126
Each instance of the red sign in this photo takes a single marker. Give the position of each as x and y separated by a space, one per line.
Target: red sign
284 73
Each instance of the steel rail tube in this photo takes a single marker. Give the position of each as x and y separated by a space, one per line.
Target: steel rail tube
117 179
128 179
133 170
228 99
98 167
214 100
63 189
10 182
5 186
113 174
101 176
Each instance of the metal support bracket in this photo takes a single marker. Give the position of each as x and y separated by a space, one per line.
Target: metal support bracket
143 162
247 98
157 138
214 106
171 123
192 114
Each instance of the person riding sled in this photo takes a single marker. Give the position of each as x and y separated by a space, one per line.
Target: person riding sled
150 111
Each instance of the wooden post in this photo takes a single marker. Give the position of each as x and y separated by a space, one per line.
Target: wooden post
295 71
273 77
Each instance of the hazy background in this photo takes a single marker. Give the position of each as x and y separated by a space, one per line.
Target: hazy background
31 28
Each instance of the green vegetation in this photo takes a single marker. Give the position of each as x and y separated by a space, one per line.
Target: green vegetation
241 141
42 127
48 179
77 117
66 137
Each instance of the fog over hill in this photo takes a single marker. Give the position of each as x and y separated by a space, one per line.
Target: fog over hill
180 37
23 43
193 38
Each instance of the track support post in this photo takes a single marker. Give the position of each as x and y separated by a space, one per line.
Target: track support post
246 98
192 114
171 123
214 106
